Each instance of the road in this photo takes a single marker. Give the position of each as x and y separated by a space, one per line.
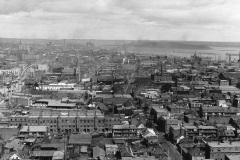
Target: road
169 148
17 85
129 82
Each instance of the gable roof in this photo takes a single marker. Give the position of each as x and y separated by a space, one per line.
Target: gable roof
231 75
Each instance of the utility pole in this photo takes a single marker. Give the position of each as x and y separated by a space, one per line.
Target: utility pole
4 84
79 69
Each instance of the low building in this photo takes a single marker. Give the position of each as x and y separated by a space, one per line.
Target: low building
164 123
62 121
80 140
14 71
207 131
35 131
111 149
205 112
191 131
54 104
125 132
157 112
218 150
232 157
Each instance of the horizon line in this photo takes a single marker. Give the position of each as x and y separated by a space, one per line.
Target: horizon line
57 39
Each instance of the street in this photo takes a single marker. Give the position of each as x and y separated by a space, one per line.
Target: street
168 147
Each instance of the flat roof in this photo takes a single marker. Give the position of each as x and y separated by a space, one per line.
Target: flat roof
124 126
34 129
225 144
159 109
80 139
55 103
206 127
190 127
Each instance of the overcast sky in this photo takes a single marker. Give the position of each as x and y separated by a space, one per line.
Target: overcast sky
200 20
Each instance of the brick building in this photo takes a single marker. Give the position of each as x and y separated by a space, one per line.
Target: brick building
218 150
66 121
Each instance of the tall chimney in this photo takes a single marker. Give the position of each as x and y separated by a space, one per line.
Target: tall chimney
239 57
229 58
161 69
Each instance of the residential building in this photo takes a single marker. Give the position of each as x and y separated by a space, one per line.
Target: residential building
217 150
35 131
125 132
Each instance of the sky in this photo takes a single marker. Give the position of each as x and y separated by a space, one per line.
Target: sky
186 20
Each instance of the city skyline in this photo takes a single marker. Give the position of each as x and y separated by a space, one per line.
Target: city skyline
185 20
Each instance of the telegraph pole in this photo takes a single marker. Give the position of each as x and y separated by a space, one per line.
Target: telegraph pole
79 69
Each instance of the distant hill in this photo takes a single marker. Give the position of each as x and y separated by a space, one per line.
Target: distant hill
167 45
161 44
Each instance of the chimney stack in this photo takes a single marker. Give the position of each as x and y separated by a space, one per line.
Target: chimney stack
229 58
161 69
239 57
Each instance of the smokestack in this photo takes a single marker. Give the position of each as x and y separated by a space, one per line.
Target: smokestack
229 58
239 57
75 71
161 69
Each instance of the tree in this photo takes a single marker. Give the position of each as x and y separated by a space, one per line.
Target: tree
238 85
57 70
166 87
118 155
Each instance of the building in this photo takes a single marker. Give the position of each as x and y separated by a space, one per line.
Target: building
218 150
207 131
111 149
80 141
164 123
217 111
190 118
232 157
191 132
162 78
35 131
62 121
175 108
21 100
142 80
54 104
11 61
14 71
111 120
125 132
175 132
157 112
232 77
56 87
195 106
223 82
23 46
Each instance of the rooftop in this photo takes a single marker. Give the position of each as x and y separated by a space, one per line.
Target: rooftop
225 144
34 129
233 157
80 139
124 126
206 127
